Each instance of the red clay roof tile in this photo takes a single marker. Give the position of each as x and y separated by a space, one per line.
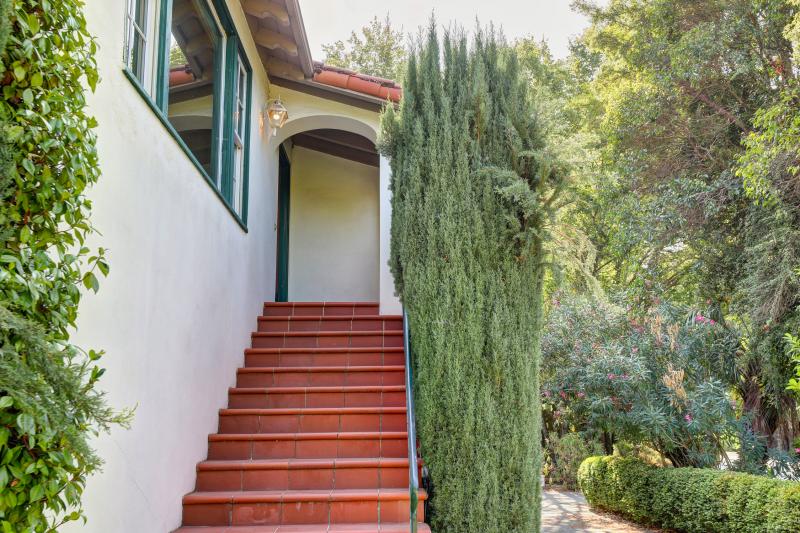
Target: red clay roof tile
343 78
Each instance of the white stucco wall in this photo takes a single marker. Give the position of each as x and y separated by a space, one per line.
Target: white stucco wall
185 288
333 229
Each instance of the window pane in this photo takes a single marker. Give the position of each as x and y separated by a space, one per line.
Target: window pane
136 37
196 55
239 121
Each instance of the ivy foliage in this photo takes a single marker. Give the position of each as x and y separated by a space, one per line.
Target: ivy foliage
49 404
472 186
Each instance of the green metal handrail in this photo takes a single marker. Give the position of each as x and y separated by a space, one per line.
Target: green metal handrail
413 468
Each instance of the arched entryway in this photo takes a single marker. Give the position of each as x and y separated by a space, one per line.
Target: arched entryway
329 238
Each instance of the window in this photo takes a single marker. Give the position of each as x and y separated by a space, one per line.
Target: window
196 52
136 45
196 77
239 134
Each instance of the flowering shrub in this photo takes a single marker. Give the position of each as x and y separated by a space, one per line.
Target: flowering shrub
661 378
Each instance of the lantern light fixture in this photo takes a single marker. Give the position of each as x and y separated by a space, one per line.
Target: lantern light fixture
277 115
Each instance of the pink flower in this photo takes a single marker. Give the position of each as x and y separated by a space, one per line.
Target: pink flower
625 376
688 418
582 395
563 395
547 394
635 349
712 322
557 414
611 376
797 451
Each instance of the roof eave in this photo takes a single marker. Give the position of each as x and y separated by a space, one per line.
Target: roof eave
300 38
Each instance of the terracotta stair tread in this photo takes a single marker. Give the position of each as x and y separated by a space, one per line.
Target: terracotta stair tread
321 388
332 333
290 464
344 435
313 411
321 304
384 527
324 349
293 318
334 495
318 369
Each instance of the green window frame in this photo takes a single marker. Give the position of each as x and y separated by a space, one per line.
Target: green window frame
232 101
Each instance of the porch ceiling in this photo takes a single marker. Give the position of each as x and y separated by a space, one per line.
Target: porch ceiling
339 143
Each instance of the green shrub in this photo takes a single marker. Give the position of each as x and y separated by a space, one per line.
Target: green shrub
472 189
565 455
49 404
691 499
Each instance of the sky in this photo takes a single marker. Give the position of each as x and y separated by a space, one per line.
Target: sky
327 21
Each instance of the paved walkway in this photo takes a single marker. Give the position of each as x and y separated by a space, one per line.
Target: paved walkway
567 512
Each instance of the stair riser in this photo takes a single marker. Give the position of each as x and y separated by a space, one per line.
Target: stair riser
387 340
307 512
319 379
290 360
304 479
345 324
319 310
316 399
307 449
322 423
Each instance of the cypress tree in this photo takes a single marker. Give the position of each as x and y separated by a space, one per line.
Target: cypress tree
472 187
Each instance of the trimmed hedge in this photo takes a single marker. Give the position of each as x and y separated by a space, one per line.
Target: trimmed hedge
690 499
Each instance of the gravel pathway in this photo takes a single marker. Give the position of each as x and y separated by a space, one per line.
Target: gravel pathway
566 512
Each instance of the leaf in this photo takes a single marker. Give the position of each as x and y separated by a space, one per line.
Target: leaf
37 80
25 234
27 96
19 72
37 493
90 282
26 423
6 401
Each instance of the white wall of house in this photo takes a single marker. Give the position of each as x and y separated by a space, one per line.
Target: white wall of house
186 285
333 229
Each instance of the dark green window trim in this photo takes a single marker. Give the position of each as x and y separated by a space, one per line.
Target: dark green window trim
232 52
176 136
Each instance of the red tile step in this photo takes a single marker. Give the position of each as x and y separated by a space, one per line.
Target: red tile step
257 508
328 339
321 376
312 420
331 323
307 445
309 528
313 357
322 396
314 437
302 474
321 308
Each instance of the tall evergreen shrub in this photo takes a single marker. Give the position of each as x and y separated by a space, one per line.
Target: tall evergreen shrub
472 186
50 405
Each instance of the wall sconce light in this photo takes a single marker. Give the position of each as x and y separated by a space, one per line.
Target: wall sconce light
277 115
